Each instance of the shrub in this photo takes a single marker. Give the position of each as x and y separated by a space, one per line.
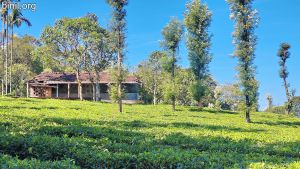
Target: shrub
279 110
8 162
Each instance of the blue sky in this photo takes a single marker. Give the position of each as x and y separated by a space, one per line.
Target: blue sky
279 23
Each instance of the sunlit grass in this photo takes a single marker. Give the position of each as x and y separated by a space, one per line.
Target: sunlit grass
94 135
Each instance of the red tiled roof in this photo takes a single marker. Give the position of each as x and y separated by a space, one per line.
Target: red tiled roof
85 77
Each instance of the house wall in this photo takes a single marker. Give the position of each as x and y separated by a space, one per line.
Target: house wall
131 92
40 92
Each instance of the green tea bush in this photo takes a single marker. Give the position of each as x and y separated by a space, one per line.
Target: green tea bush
73 134
8 162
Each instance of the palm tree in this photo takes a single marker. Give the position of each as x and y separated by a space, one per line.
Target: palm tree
15 19
6 55
4 13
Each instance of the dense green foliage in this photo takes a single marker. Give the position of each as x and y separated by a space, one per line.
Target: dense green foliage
150 73
25 64
229 97
11 18
80 44
8 162
197 20
246 20
66 134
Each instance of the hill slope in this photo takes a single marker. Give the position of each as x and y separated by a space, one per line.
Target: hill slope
74 134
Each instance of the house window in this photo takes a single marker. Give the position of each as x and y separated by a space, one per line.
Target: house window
131 88
103 88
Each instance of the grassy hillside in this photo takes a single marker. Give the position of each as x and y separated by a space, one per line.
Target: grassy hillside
74 134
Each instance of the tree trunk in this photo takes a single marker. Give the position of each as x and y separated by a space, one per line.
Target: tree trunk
154 95
119 81
3 57
2 86
248 119
11 57
270 105
120 98
80 91
98 94
94 91
79 86
173 81
248 109
287 109
200 104
69 90
6 59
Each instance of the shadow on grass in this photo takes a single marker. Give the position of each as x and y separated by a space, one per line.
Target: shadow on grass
211 111
280 123
135 124
169 115
188 125
142 124
30 100
118 136
7 99
27 107
5 126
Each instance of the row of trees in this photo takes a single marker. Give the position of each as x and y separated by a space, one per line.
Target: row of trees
197 20
158 72
10 19
163 79
75 45
82 45
25 64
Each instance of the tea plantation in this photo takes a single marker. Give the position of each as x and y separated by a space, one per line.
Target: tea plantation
72 134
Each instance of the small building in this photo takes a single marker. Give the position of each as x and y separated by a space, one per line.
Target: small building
65 86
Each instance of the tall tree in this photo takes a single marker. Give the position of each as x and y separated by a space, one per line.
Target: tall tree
246 20
6 52
25 64
284 54
118 26
4 15
197 21
172 34
69 40
99 57
15 19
